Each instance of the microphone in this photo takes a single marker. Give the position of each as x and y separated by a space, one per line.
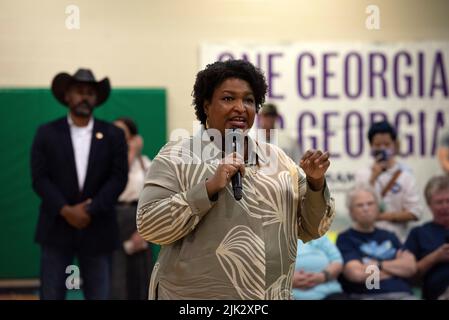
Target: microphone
237 177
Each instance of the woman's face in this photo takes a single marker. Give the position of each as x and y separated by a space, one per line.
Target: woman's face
364 209
232 106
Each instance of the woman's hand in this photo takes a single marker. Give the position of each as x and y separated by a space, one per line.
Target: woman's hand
307 280
376 170
135 146
315 164
225 170
316 278
139 243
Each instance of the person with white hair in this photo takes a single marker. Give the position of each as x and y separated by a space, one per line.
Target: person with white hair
375 266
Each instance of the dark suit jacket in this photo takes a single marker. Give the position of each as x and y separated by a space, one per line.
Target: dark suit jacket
55 180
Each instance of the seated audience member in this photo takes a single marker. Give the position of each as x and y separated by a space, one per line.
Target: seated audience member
318 265
394 183
365 247
430 242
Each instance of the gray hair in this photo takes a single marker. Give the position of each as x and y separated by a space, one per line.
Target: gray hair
435 184
356 190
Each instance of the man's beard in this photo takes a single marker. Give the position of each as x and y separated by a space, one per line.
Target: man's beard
83 109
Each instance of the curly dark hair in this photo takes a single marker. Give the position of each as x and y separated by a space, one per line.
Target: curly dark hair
214 74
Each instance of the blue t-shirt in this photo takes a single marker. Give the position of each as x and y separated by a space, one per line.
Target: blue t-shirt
422 241
381 245
315 256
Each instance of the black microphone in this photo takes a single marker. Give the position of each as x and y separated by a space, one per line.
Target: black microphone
237 177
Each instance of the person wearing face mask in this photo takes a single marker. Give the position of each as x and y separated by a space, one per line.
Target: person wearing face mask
393 181
79 167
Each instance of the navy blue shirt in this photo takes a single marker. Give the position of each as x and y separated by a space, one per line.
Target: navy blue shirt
380 245
422 241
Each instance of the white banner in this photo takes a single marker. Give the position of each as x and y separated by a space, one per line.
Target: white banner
329 93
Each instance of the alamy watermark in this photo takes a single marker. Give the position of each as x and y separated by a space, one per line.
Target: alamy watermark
373 280
372 22
73 281
72 21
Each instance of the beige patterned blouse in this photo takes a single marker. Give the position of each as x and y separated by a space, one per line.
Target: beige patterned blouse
227 249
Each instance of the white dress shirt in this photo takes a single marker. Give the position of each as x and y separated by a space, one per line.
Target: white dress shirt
81 140
136 179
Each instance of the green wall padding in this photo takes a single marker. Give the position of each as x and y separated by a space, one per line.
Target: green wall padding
22 111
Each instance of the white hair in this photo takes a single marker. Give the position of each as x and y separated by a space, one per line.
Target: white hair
356 190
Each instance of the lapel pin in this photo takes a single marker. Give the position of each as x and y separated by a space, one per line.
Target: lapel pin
99 135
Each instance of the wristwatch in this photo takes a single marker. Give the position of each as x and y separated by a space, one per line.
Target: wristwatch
379 265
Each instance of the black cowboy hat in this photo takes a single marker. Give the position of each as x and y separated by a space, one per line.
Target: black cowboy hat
63 80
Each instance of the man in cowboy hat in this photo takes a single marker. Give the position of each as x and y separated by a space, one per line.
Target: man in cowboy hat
79 168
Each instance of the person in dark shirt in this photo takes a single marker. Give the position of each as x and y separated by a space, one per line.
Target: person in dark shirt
78 168
430 242
375 266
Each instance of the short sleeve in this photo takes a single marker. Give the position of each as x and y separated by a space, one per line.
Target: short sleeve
411 200
347 249
412 243
330 249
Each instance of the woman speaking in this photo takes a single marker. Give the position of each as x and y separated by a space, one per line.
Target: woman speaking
213 245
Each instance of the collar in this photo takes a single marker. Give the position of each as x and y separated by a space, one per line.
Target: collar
89 127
